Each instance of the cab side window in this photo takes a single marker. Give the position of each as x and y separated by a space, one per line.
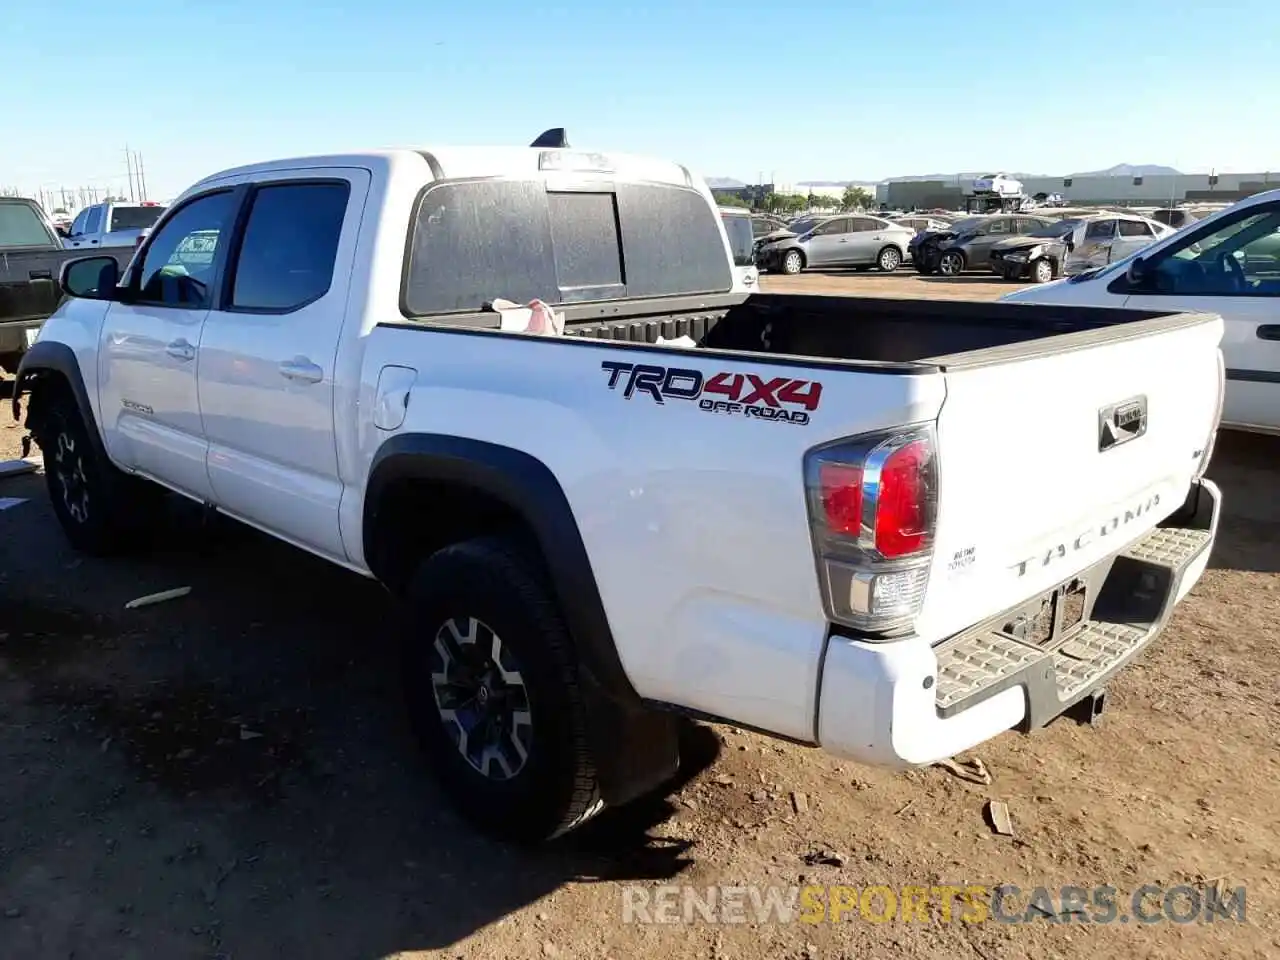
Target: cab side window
1237 258
178 268
290 246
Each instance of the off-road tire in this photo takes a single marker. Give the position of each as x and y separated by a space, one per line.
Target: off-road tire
498 584
101 509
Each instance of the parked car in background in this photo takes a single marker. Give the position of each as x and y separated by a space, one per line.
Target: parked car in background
1228 264
1070 246
920 223
762 225
1174 217
31 257
742 243
111 225
966 244
844 240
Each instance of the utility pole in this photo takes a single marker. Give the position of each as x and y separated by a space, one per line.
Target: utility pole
142 179
128 166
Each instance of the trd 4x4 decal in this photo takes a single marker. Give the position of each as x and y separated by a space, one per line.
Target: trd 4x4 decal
781 399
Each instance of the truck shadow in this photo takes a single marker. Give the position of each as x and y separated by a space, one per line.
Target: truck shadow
1245 467
243 751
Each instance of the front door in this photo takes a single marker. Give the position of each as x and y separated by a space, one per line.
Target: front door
1095 249
147 358
1232 269
828 243
978 250
268 355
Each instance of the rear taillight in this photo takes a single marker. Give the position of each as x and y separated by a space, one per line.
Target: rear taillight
873 507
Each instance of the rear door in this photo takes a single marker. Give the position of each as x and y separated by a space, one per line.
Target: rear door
865 240
1033 488
268 355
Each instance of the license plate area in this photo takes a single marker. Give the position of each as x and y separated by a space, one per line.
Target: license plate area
1050 617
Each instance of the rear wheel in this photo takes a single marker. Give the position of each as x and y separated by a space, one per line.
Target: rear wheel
101 509
889 260
792 262
492 688
951 263
1042 271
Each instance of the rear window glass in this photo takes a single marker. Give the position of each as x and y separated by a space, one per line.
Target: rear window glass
20 226
134 218
474 242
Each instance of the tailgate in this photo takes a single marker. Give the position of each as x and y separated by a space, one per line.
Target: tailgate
1050 461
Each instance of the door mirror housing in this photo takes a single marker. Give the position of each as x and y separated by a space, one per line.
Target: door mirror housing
91 278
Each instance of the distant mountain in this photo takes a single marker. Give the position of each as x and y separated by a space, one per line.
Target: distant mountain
1133 170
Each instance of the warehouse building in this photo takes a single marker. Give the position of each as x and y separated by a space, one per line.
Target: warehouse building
1129 191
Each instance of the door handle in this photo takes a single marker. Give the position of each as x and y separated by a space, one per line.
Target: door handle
181 350
1269 331
302 370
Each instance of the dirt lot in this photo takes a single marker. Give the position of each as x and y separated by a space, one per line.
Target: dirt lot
228 775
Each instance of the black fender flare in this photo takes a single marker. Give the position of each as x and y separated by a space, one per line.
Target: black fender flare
636 748
51 356
527 486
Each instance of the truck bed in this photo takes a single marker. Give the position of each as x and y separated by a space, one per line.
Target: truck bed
940 334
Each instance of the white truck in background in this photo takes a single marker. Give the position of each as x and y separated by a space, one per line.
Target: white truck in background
1227 264
111 224
891 529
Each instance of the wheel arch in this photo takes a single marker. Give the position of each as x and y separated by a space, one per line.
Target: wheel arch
54 365
636 748
506 487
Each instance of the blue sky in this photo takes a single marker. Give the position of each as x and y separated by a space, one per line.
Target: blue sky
819 90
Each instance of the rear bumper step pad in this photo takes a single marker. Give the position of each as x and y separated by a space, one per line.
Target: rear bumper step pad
1130 598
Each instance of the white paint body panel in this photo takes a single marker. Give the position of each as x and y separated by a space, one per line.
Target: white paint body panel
695 523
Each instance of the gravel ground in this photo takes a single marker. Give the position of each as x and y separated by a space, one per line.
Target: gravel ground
228 775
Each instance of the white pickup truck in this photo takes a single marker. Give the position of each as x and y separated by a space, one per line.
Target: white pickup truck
887 528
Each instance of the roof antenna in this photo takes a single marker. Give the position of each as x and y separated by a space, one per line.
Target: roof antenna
554 138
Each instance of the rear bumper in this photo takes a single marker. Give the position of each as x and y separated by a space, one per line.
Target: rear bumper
905 703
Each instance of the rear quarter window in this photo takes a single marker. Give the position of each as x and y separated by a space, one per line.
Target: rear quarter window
471 242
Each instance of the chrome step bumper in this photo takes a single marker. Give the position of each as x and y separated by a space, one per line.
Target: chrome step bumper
1129 599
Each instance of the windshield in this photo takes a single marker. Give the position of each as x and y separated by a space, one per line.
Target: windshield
134 218
741 239
20 226
804 224
1056 230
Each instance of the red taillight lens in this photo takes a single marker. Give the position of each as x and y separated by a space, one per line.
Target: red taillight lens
842 497
902 514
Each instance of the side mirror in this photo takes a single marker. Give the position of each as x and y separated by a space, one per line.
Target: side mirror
91 278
